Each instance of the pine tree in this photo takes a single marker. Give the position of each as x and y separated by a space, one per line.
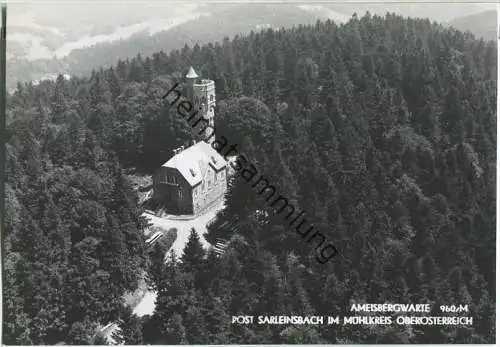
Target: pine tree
194 321
193 252
81 333
175 333
156 267
130 332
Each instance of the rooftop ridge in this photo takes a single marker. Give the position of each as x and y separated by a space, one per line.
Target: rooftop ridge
197 159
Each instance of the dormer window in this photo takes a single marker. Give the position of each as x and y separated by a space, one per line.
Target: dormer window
213 159
192 172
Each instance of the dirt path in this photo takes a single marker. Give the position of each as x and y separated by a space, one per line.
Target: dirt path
147 305
184 227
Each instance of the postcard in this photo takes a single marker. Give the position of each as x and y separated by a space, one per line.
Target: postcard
228 173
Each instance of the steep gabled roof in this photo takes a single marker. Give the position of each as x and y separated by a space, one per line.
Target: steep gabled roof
193 162
191 73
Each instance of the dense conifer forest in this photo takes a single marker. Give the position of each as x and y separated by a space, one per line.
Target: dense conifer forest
382 129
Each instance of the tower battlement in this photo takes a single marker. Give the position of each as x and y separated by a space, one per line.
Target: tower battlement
203 82
202 93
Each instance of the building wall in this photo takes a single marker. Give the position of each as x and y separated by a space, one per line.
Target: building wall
204 97
173 191
170 187
213 187
179 198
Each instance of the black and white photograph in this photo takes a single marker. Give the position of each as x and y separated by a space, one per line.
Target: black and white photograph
248 172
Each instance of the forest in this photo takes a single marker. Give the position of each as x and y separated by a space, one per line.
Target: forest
383 129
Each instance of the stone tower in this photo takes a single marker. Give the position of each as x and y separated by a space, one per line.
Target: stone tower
202 93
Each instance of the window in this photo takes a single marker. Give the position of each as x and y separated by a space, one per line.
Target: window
211 97
192 172
170 179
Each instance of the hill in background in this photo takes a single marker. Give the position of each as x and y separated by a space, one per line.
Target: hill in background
484 24
74 39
